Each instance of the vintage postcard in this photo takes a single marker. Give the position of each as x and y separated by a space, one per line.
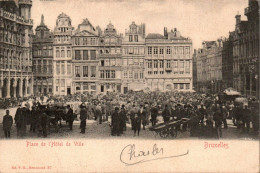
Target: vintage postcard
129 86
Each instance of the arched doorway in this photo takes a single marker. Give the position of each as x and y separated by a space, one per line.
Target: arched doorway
4 90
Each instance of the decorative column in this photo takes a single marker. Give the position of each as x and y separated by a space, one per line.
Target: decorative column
21 88
14 86
250 91
8 88
26 88
1 87
244 85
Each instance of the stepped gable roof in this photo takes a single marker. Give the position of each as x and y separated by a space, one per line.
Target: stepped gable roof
155 36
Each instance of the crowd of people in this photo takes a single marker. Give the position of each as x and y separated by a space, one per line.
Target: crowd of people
208 114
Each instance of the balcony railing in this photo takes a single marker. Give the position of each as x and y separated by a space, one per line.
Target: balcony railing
15 18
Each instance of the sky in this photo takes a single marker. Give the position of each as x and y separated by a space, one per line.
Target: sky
200 20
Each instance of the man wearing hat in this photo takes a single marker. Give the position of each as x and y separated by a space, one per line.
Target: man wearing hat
7 124
17 118
123 118
115 122
70 116
154 114
83 117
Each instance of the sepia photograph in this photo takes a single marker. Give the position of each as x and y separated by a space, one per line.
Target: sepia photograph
137 86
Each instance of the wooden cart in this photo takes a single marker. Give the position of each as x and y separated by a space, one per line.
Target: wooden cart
169 129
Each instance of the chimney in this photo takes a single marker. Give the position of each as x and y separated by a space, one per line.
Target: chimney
238 18
165 34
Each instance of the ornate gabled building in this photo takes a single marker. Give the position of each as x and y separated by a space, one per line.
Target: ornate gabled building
43 59
227 62
16 78
85 61
62 56
133 49
110 60
246 51
168 62
209 66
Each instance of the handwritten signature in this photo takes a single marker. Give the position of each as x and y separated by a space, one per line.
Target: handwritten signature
129 156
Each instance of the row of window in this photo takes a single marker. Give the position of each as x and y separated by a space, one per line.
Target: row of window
107 74
43 52
42 62
61 69
181 50
175 71
133 50
83 71
111 40
42 69
110 62
133 62
62 53
133 75
169 64
176 86
84 41
85 55
85 86
110 51
61 39
133 38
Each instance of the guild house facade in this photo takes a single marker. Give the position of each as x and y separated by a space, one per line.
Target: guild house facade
62 56
110 60
133 53
42 59
16 78
85 58
168 62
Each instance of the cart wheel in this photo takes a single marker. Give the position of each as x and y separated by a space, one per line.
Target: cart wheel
164 133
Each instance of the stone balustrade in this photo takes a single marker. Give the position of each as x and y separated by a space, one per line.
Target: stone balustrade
15 18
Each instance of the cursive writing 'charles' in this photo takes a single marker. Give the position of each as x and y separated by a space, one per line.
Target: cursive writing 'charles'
130 156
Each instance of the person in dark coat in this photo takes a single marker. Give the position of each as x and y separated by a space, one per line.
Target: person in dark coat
166 114
123 118
136 124
246 114
7 124
154 114
34 116
22 121
202 113
217 117
44 123
224 115
98 114
132 115
70 116
115 122
17 119
142 115
83 118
